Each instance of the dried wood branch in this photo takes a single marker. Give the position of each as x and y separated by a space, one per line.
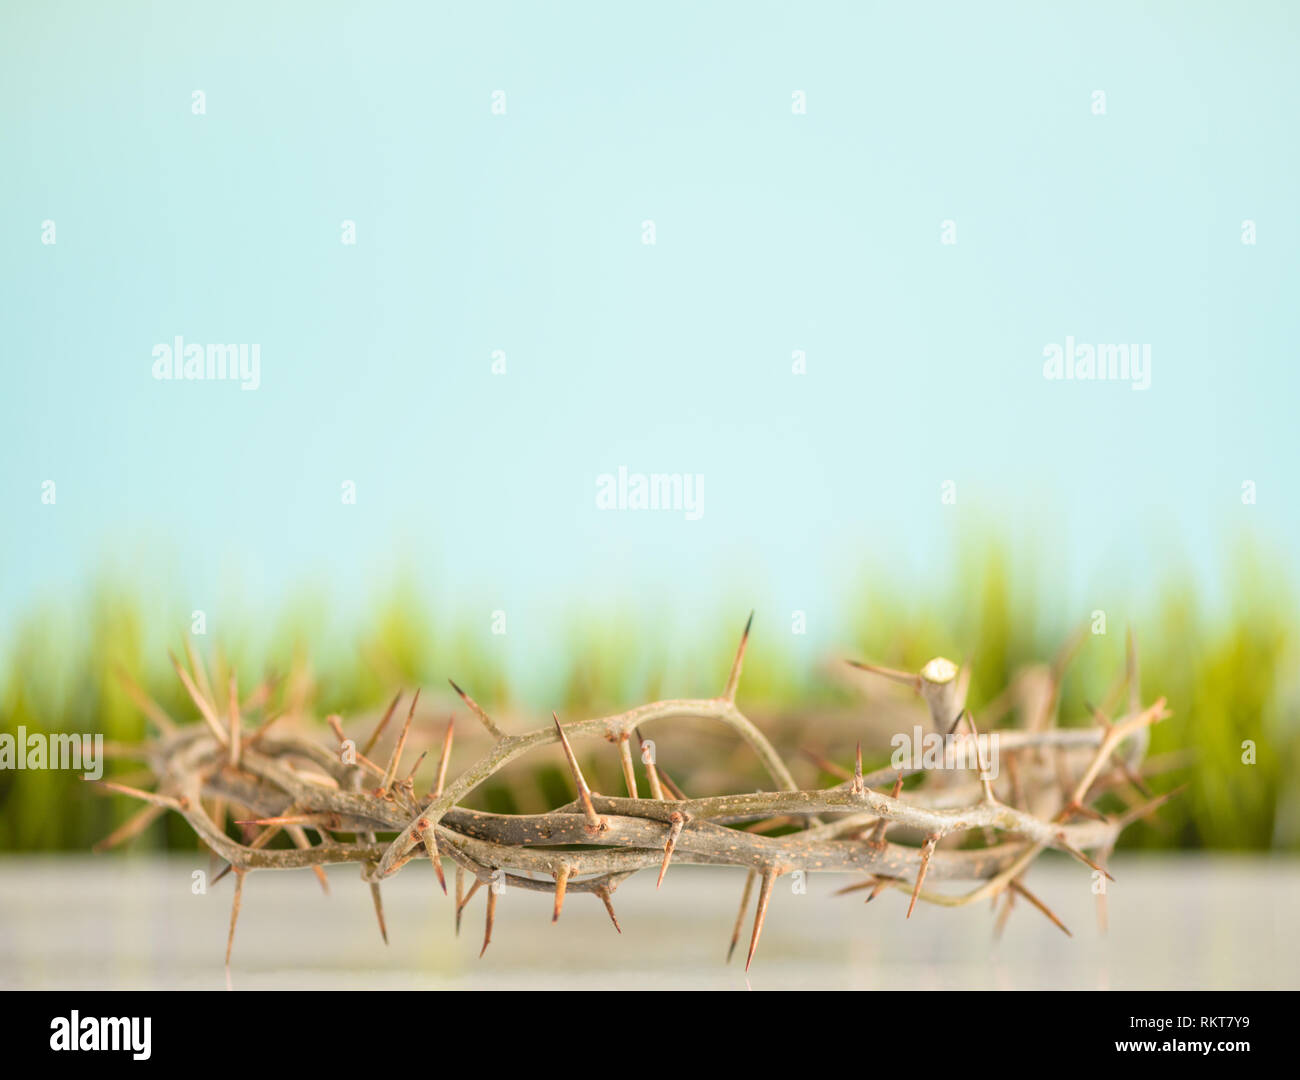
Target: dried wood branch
592 844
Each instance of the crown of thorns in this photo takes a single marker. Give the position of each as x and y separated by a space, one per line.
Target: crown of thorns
979 829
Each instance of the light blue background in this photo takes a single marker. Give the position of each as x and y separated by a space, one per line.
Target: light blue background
522 232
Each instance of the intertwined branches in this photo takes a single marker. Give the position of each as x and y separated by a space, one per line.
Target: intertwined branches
969 826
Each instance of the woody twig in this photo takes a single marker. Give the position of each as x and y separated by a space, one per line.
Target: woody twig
362 813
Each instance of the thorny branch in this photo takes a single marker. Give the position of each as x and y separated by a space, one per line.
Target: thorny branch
1042 799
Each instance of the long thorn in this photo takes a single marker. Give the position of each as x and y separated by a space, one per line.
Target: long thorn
234 720
673 789
740 915
165 801
1015 884
1132 777
595 823
764 895
733 680
390 773
261 693
651 771
877 837
409 779
625 757
491 918
292 819
200 702
678 820
561 887
882 883
1103 916
1008 902
1070 850
383 723
200 671
826 765
145 703
907 678
132 827
606 897
379 910
428 832
444 757
336 725
927 849
989 796
478 711
263 728
234 911
1150 807
460 895
1083 811
1066 847
469 895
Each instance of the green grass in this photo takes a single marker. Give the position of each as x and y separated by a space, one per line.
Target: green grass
1229 674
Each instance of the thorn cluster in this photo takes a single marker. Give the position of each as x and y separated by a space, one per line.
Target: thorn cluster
371 816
